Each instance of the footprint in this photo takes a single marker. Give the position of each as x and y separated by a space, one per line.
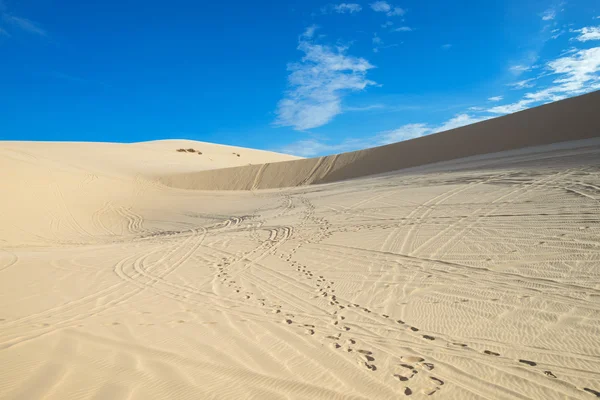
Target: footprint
401 378
372 367
412 328
531 363
412 359
549 374
407 366
436 380
460 344
400 321
491 353
428 337
365 352
288 321
407 391
428 366
310 331
592 391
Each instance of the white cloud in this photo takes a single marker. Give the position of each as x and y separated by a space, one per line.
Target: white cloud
24 24
381 6
510 108
518 69
365 108
313 147
588 33
318 83
458 121
387 24
377 40
549 14
403 29
388 9
309 32
495 98
525 83
577 73
397 11
405 132
446 46
343 8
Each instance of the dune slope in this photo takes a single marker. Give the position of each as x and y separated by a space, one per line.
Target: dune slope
475 278
570 119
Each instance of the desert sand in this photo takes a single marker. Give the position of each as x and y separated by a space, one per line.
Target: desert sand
474 274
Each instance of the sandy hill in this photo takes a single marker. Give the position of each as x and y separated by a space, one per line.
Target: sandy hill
570 119
45 180
462 265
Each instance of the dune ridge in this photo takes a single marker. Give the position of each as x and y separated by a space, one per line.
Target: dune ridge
570 119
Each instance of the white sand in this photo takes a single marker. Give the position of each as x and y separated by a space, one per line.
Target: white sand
476 278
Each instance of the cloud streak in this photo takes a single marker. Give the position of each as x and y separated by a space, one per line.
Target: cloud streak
318 82
577 73
24 24
314 147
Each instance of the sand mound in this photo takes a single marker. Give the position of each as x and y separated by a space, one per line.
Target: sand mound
474 278
570 119
42 182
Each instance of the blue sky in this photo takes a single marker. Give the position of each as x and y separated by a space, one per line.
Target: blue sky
304 77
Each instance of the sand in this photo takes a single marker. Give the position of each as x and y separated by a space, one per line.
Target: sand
476 278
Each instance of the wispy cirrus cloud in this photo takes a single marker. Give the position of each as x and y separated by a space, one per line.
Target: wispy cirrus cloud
314 147
495 98
577 73
588 33
387 8
549 14
18 23
318 82
523 84
24 24
403 29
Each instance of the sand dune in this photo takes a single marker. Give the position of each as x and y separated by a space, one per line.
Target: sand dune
471 278
570 119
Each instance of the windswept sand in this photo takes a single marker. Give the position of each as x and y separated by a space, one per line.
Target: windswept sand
477 278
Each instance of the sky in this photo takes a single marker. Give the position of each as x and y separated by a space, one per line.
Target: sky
303 77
